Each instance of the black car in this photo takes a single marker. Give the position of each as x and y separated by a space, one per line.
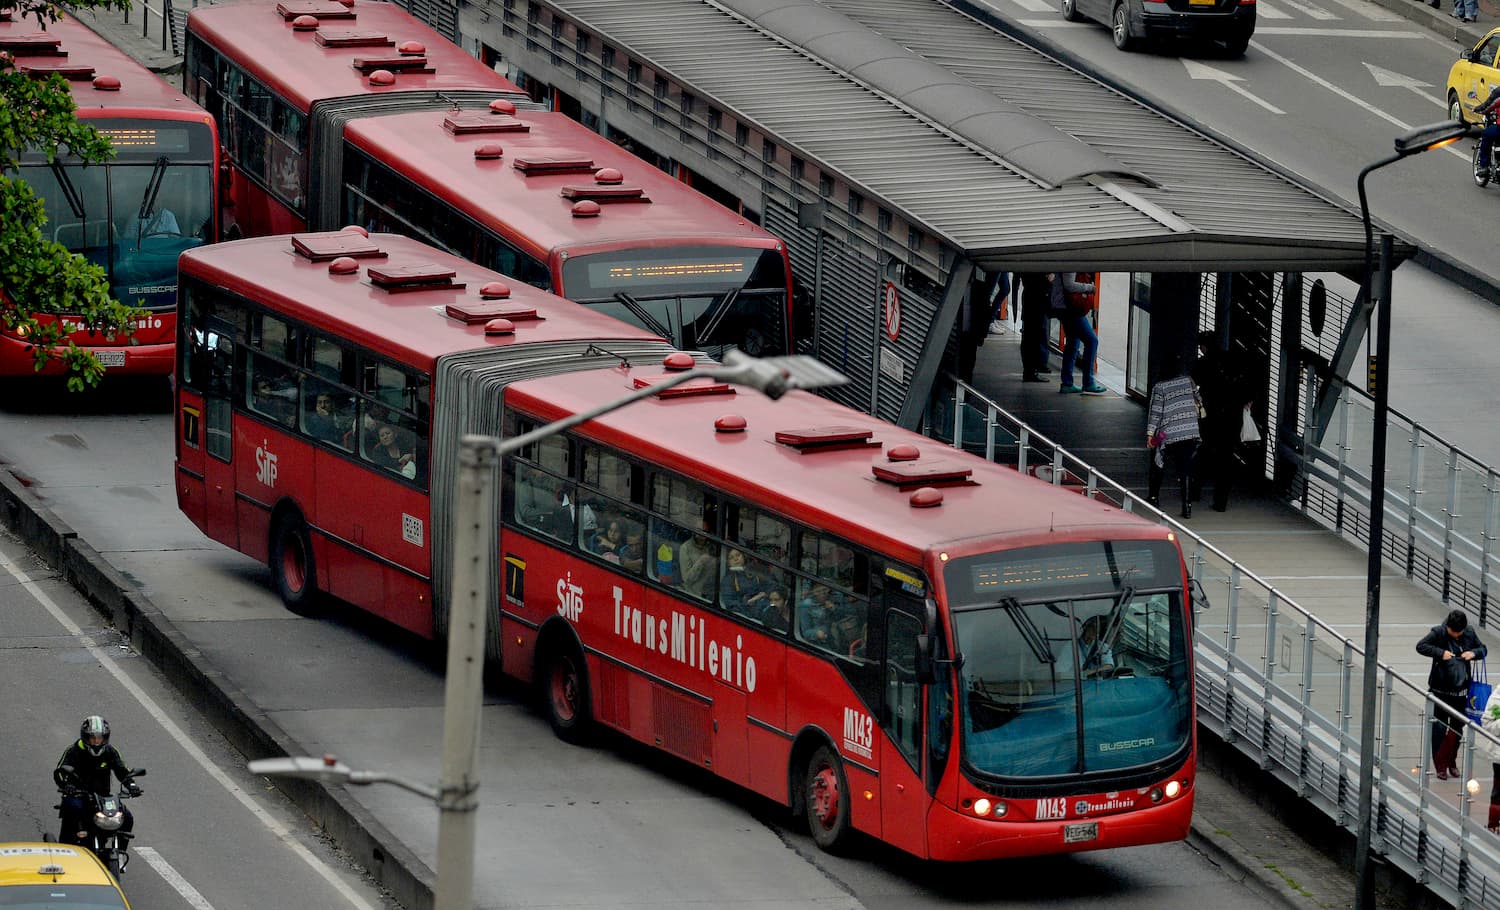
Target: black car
1228 22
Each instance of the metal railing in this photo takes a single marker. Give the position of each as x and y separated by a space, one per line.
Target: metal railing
1282 686
166 23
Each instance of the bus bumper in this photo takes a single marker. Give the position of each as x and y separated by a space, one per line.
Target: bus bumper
133 360
955 837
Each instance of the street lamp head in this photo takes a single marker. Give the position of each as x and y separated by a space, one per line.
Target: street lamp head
1432 136
326 769
775 376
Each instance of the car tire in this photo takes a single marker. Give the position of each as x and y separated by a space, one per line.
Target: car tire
1070 11
293 569
1235 47
1119 26
1455 108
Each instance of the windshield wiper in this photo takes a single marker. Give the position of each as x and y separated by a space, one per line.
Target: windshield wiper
718 316
1030 634
70 192
1117 614
640 313
153 188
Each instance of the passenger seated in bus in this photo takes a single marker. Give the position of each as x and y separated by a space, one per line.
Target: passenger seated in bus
633 553
159 223
325 421
849 631
818 615
609 542
698 561
1098 655
742 588
777 611
391 453
275 395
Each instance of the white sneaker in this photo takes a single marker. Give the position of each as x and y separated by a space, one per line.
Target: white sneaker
998 328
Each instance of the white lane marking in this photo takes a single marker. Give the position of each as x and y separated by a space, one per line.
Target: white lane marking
1040 6
1391 79
1318 12
1310 76
1335 32
174 878
1196 70
1369 10
183 740
1267 11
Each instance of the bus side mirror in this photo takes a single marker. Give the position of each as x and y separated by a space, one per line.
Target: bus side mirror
1196 597
925 674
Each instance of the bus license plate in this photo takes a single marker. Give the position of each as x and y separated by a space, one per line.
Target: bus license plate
1073 834
111 358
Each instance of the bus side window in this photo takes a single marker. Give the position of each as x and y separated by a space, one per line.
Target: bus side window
271 389
903 695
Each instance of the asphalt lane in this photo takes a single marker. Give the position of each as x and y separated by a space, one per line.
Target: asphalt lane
1324 89
560 826
209 835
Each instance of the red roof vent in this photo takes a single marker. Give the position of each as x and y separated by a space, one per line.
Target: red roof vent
344 265
904 452
926 498
36 44
402 279
305 24
107 83
352 39
608 175
333 244
490 151
382 77
322 9
678 360
586 208
354 229
502 106
826 439
535 167
412 48
933 472
470 312
499 327
495 290
690 389
470 123
730 423
75 72
603 193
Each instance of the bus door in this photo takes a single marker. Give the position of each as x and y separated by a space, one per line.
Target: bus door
218 436
903 798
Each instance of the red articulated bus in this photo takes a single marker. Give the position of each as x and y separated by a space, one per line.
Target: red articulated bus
360 114
889 636
132 215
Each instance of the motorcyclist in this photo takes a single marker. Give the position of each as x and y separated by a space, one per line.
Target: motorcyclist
1487 136
91 759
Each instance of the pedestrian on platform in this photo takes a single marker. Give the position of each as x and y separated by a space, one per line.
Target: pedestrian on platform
1172 432
1450 646
1036 319
1072 301
1227 394
1491 751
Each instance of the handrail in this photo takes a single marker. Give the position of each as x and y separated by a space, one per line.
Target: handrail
1280 684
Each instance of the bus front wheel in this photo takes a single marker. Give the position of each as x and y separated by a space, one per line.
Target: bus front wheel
565 691
825 800
292 565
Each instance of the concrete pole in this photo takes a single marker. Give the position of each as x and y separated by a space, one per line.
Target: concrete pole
473 548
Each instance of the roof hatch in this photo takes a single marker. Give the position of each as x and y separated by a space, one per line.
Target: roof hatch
402 279
71 71
471 312
333 244
321 9
396 63
605 193
827 439
690 389
937 472
39 44
352 39
474 122
538 166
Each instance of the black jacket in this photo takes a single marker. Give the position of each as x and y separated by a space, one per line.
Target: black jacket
90 772
1449 677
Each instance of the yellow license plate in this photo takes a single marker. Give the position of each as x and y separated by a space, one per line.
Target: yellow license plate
1200 2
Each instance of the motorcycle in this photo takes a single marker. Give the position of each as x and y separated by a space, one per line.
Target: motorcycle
1484 171
106 813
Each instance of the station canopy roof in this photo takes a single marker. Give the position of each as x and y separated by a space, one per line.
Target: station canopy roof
1006 153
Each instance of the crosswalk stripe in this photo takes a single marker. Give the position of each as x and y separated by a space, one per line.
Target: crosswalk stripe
1265 10
1369 10
1037 6
1318 12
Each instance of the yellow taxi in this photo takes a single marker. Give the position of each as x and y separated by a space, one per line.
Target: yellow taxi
1470 79
55 877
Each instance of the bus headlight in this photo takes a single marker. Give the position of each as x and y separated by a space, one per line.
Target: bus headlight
982 807
1173 788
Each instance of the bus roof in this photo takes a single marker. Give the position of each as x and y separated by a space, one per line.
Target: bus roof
407 325
92 65
306 67
498 192
832 488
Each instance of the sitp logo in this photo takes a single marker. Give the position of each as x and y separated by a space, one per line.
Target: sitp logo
569 598
265 465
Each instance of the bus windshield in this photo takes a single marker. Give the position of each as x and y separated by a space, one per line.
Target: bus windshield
134 215
706 298
1074 658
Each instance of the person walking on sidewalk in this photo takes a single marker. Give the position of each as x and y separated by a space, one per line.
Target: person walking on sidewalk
1070 303
1172 431
1450 646
1467 10
1491 750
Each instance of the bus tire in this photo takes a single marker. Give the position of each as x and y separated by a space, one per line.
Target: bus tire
565 692
825 800
292 565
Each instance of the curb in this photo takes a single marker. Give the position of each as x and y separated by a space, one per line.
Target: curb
1241 868
193 675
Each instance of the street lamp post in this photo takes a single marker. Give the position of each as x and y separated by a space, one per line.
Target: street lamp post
1378 295
478 456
